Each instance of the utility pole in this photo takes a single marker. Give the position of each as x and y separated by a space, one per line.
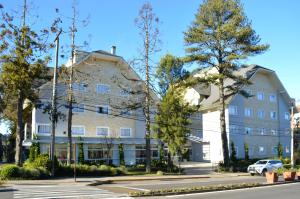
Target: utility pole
70 90
53 112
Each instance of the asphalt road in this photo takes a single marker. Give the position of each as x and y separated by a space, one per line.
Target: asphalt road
286 191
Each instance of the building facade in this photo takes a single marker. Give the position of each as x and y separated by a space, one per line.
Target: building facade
260 122
106 95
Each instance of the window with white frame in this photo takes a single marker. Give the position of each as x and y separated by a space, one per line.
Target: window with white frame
287 149
125 132
43 128
102 109
272 98
262 131
78 108
261 150
261 113
287 116
98 152
102 88
78 130
260 95
273 132
102 131
248 112
233 110
248 130
79 87
273 115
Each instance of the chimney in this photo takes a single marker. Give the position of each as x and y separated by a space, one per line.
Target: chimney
113 50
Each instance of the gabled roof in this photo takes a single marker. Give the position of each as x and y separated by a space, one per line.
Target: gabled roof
248 71
81 56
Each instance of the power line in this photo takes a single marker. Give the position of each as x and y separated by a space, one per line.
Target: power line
188 127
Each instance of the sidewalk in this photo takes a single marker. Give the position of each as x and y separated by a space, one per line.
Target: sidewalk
103 180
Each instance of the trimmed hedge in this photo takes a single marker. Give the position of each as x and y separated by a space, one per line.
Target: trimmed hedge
86 170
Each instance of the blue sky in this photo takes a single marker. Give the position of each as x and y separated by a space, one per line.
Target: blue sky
112 23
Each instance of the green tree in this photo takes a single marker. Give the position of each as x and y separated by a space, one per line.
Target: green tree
23 61
233 153
219 37
80 151
246 150
279 151
169 72
172 120
121 154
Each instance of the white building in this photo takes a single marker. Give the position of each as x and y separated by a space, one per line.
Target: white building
261 121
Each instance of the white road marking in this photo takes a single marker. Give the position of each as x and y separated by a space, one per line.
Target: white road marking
128 187
61 191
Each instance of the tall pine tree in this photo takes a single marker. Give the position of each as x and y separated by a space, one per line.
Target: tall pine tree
172 119
21 54
219 38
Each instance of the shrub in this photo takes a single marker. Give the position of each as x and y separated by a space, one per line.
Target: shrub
41 161
9 171
280 171
86 170
286 160
159 173
121 170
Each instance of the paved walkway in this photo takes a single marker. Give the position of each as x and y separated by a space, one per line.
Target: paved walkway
86 180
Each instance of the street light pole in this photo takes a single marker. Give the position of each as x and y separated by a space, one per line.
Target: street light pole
53 107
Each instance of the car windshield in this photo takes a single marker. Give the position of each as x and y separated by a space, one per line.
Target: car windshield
261 162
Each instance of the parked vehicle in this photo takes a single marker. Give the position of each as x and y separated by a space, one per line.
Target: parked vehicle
263 166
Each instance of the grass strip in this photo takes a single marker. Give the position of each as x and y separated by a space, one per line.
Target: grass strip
198 189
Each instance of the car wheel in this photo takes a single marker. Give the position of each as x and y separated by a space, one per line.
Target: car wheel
263 173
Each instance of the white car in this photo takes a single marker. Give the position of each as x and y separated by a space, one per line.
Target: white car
263 166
